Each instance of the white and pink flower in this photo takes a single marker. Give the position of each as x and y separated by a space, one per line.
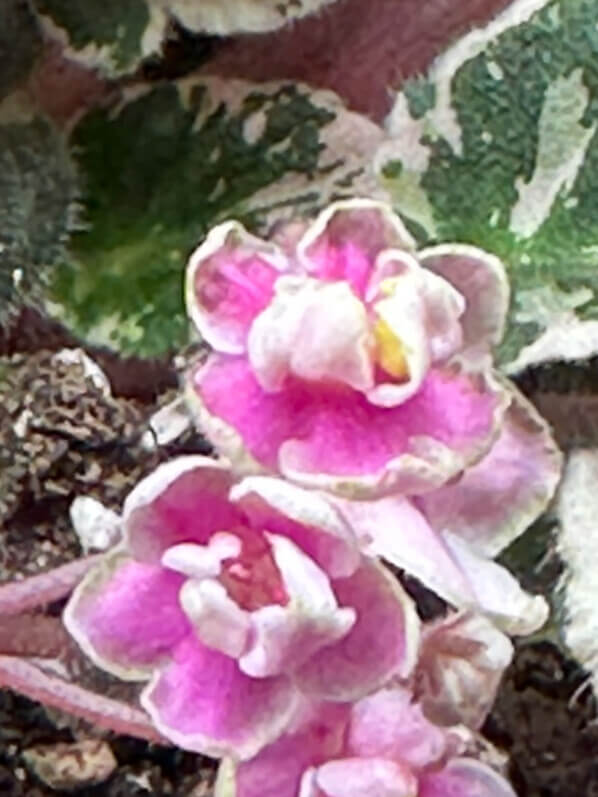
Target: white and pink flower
380 746
348 362
233 599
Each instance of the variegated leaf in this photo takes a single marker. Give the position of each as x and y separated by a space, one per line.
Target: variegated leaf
174 160
498 146
116 35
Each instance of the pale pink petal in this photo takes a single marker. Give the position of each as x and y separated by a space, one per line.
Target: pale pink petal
499 497
309 785
422 311
315 331
278 769
461 662
464 777
202 561
284 637
230 279
497 592
481 278
397 301
366 777
203 702
126 616
321 435
388 725
217 620
304 516
346 238
382 643
162 510
394 529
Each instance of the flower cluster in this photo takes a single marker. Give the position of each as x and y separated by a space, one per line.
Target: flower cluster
351 397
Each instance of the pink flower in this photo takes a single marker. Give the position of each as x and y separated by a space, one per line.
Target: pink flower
348 362
233 599
461 661
381 746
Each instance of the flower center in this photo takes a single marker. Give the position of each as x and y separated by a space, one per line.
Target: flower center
252 578
390 351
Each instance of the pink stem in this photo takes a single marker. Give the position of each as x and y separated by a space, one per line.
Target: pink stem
103 712
21 596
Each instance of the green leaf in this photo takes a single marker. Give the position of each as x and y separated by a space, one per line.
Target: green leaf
498 146
37 192
173 161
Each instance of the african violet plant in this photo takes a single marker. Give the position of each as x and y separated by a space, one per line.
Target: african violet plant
257 610
349 362
350 393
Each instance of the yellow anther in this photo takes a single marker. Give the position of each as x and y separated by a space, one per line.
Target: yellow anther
390 352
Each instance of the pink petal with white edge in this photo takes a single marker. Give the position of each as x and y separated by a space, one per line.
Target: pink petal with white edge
366 777
217 620
346 238
335 439
423 312
314 330
278 769
464 777
382 644
388 725
230 279
162 510
497 592
499 497
284 637
394 529
304 516
125 615
462 660
202 702
481 278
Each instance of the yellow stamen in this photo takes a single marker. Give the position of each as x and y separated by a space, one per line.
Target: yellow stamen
390 351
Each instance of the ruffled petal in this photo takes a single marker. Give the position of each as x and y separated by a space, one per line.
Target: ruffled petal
366 777
346 238
202 702
388 725
481 278
498 594
304 516
277 770
217 620
162 510
315 331
464 777
462 660
230 279
395 530
283 637
382 643
499 497
423 314
126 616
335 439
